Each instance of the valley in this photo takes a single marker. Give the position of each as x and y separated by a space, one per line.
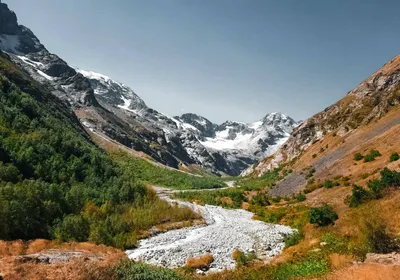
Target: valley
95 184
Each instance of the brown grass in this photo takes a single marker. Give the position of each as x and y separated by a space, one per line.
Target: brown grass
367 272
200 262
237 254
95 262
225 200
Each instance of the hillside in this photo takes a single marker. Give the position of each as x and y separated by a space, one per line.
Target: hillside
368 117
53 178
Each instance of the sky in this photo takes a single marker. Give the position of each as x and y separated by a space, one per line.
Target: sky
222 59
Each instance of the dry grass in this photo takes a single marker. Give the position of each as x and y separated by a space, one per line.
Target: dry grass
201 262
339 261
95 263
367 272
12 248
225 200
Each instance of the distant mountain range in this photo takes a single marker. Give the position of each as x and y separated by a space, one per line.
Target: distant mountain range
113 110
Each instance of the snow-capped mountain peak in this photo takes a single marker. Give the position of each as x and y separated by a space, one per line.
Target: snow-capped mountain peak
113 92
114 110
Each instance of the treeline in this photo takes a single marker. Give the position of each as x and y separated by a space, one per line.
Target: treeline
55 183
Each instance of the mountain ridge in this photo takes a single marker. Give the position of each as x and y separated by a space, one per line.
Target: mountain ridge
111 108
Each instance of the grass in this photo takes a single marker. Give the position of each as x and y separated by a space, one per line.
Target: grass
202 262
216 197
162 176
267 180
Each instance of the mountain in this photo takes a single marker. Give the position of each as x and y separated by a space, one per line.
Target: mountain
366 118
115 112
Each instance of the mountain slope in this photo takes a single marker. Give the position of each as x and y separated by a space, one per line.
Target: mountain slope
113 111
330 138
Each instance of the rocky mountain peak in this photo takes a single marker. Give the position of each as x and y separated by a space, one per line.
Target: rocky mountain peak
8 20
206 127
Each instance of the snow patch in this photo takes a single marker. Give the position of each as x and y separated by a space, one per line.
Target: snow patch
41 73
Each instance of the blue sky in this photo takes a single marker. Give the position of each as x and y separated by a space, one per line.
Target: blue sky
223 59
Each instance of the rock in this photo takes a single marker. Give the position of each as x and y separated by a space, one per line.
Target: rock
225 230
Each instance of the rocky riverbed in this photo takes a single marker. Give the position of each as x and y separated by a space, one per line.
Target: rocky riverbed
225 231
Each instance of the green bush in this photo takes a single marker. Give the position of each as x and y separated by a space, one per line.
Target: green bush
330 184
394 157
276 199
293 239
129 270
358 196
72 228
388 179
358 157
260 199
301 197
372 155
323 216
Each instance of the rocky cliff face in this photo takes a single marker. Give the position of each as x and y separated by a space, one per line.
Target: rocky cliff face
368 102
113 110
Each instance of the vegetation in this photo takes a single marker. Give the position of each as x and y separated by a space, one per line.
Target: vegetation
358 157
129 270
328 184
394 157
301 197
202 262
372 155
267 180
161 176
310 173
376 188
293 239
260 199
55 183
229 198
243 259
323 216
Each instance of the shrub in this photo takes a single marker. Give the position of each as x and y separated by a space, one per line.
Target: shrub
301 197
311 181
372 155
358 195
388 179
330 184
202 262
241 258
129 270
293 239
394 157
276 199
72 227
378 240
323 216
260 199
358 157
314 155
